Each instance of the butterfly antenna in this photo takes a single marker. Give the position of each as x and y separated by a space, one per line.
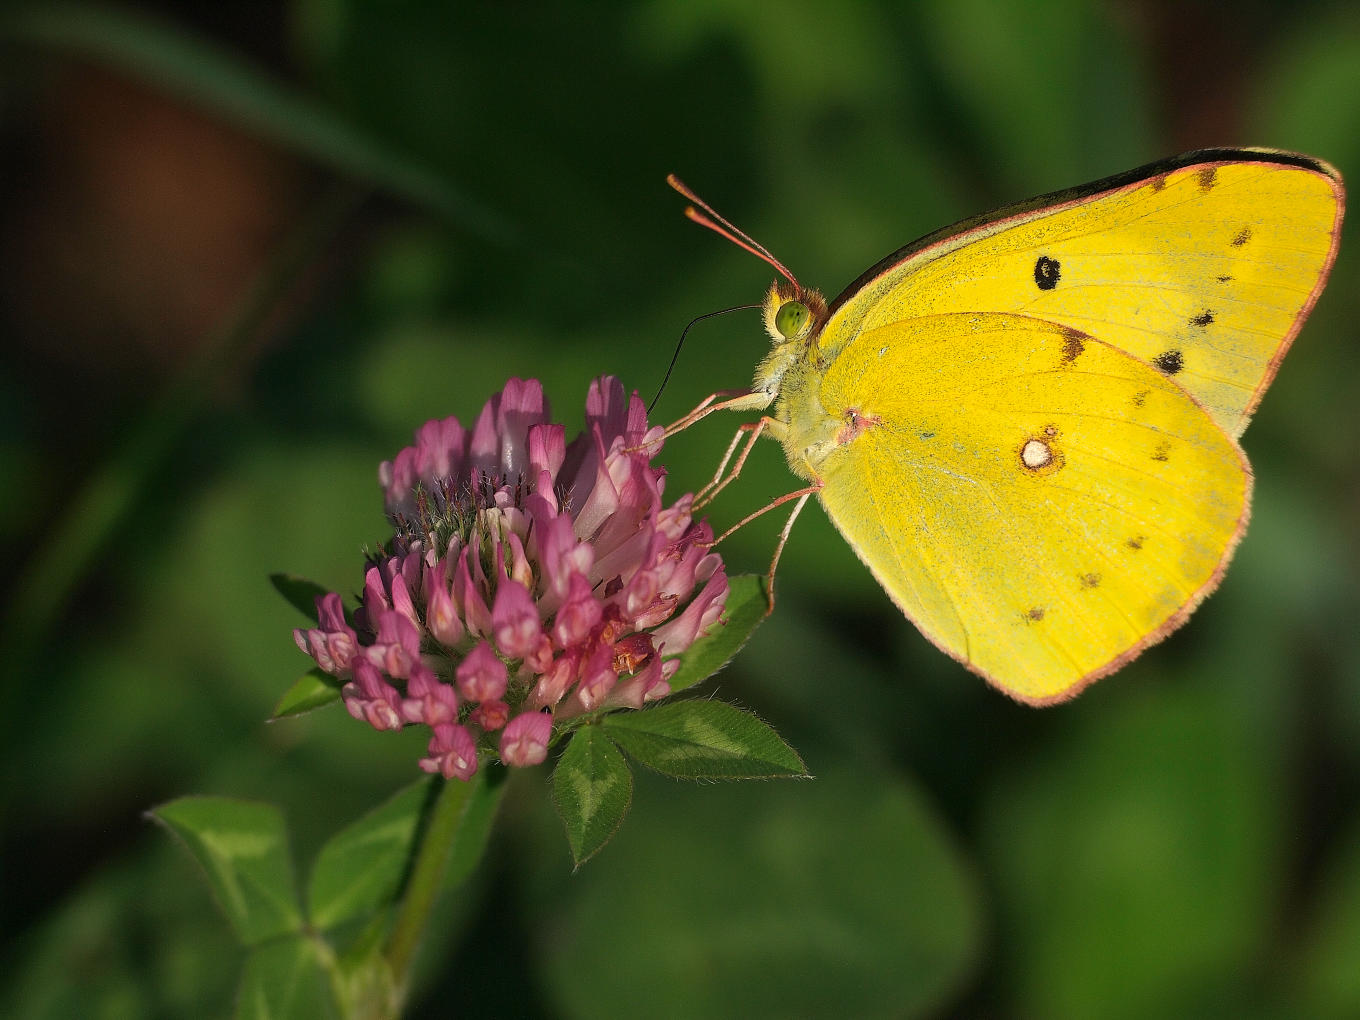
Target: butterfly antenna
706 216
681 342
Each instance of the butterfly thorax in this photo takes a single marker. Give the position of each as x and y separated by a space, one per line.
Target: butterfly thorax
791 374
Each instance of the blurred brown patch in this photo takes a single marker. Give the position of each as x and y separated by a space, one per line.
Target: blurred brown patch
1203 60
136 225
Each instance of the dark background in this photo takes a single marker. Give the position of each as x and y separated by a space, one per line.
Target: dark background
246 249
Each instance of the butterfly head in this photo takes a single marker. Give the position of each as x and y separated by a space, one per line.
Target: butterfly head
792 313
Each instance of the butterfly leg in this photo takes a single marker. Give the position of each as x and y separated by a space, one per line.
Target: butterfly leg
772 505
801 495
706 495
779 547
722 400
701 498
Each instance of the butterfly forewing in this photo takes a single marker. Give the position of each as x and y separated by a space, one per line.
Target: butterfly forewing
1203 269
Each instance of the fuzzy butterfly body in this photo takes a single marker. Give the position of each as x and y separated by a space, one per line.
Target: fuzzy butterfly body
1026 424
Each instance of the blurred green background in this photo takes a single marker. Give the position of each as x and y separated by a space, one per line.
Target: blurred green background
246 249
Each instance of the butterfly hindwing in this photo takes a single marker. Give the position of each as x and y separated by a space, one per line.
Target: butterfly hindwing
1041 504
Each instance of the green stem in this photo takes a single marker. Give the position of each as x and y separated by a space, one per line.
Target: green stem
454 804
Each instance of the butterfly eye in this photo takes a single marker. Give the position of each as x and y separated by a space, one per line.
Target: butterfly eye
792 319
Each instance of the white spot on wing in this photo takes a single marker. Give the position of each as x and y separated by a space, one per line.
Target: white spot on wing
1036 454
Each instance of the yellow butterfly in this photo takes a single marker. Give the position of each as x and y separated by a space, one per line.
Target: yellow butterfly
1026 424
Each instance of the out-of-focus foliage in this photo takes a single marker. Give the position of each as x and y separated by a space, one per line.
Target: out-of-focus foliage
1181 840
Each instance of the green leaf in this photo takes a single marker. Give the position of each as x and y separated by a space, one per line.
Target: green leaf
843 897
84 957
1160 808
747 606
1330 946
592 788
243 848
366 983
196 71
300 593
285 978
703 740
474 829
314 689
361 867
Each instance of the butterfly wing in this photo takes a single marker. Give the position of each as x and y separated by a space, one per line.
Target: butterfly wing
1041 504
1204 267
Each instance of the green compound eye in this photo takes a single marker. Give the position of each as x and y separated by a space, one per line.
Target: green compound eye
792 319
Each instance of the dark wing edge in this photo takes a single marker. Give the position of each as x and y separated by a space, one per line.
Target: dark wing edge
1278 157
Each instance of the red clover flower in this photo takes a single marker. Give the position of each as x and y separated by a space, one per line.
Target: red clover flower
527 581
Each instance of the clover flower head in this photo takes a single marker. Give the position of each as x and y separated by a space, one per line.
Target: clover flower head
527 581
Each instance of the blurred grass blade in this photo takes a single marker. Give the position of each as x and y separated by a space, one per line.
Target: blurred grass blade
198 72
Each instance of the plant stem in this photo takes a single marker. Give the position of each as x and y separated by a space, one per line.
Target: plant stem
454 803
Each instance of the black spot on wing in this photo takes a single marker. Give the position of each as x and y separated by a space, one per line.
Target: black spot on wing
1242 237
1091 580
1169 362
1034 615
1203 319
1135 543
1140 398
1206 178
1046 272
1162 452
1224 279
